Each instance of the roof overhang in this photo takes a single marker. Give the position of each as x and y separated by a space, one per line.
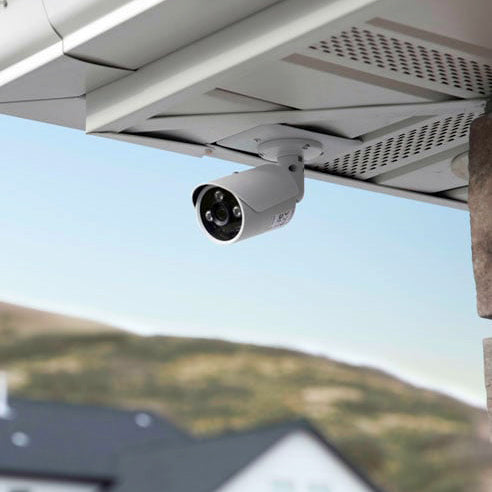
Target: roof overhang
401 80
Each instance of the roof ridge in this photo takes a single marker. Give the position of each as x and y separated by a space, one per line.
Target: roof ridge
159 444
290 424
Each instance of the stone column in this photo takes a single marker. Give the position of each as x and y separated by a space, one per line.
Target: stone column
487 355
480 204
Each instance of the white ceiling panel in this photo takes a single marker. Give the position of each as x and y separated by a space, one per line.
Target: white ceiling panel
302 87
404 145
220 101
449 21
430 175
403 59
69 112
60 77
213 102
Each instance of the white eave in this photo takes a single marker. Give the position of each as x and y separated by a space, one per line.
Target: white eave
401 80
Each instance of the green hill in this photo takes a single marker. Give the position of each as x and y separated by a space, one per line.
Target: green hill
407 438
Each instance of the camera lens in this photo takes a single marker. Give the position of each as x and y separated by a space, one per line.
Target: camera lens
220 213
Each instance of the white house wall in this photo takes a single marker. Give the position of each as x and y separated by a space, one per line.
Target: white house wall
298 463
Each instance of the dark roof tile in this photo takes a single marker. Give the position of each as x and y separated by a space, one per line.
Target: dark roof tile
75 441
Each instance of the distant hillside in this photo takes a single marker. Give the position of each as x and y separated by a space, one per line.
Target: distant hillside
409 439
18 321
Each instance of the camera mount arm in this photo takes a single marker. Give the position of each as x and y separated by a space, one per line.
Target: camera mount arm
291 153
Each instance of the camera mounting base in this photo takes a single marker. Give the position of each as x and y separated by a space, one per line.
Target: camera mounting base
249 140
273 150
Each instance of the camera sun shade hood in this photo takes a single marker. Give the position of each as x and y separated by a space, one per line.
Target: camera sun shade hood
261 188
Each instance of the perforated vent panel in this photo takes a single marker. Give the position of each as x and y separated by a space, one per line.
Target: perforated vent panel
400 148
412 60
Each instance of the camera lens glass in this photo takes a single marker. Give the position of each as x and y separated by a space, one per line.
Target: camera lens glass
220 214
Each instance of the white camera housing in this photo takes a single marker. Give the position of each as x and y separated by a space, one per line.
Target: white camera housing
259 200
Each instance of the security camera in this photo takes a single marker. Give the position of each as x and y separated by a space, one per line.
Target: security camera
259 200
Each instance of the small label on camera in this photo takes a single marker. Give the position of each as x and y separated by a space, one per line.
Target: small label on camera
281 219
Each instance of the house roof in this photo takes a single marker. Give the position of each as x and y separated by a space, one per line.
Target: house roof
75 441
137 450
207 464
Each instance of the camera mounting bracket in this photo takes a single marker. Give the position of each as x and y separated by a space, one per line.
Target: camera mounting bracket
291 153
307 149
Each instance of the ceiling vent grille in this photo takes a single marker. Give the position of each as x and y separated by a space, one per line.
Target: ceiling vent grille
373 50
402 147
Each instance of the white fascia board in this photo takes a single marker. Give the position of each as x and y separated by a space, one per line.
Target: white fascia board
198 68
387 190
31 63
105 23
195 150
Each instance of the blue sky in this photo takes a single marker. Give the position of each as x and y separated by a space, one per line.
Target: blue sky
104 229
